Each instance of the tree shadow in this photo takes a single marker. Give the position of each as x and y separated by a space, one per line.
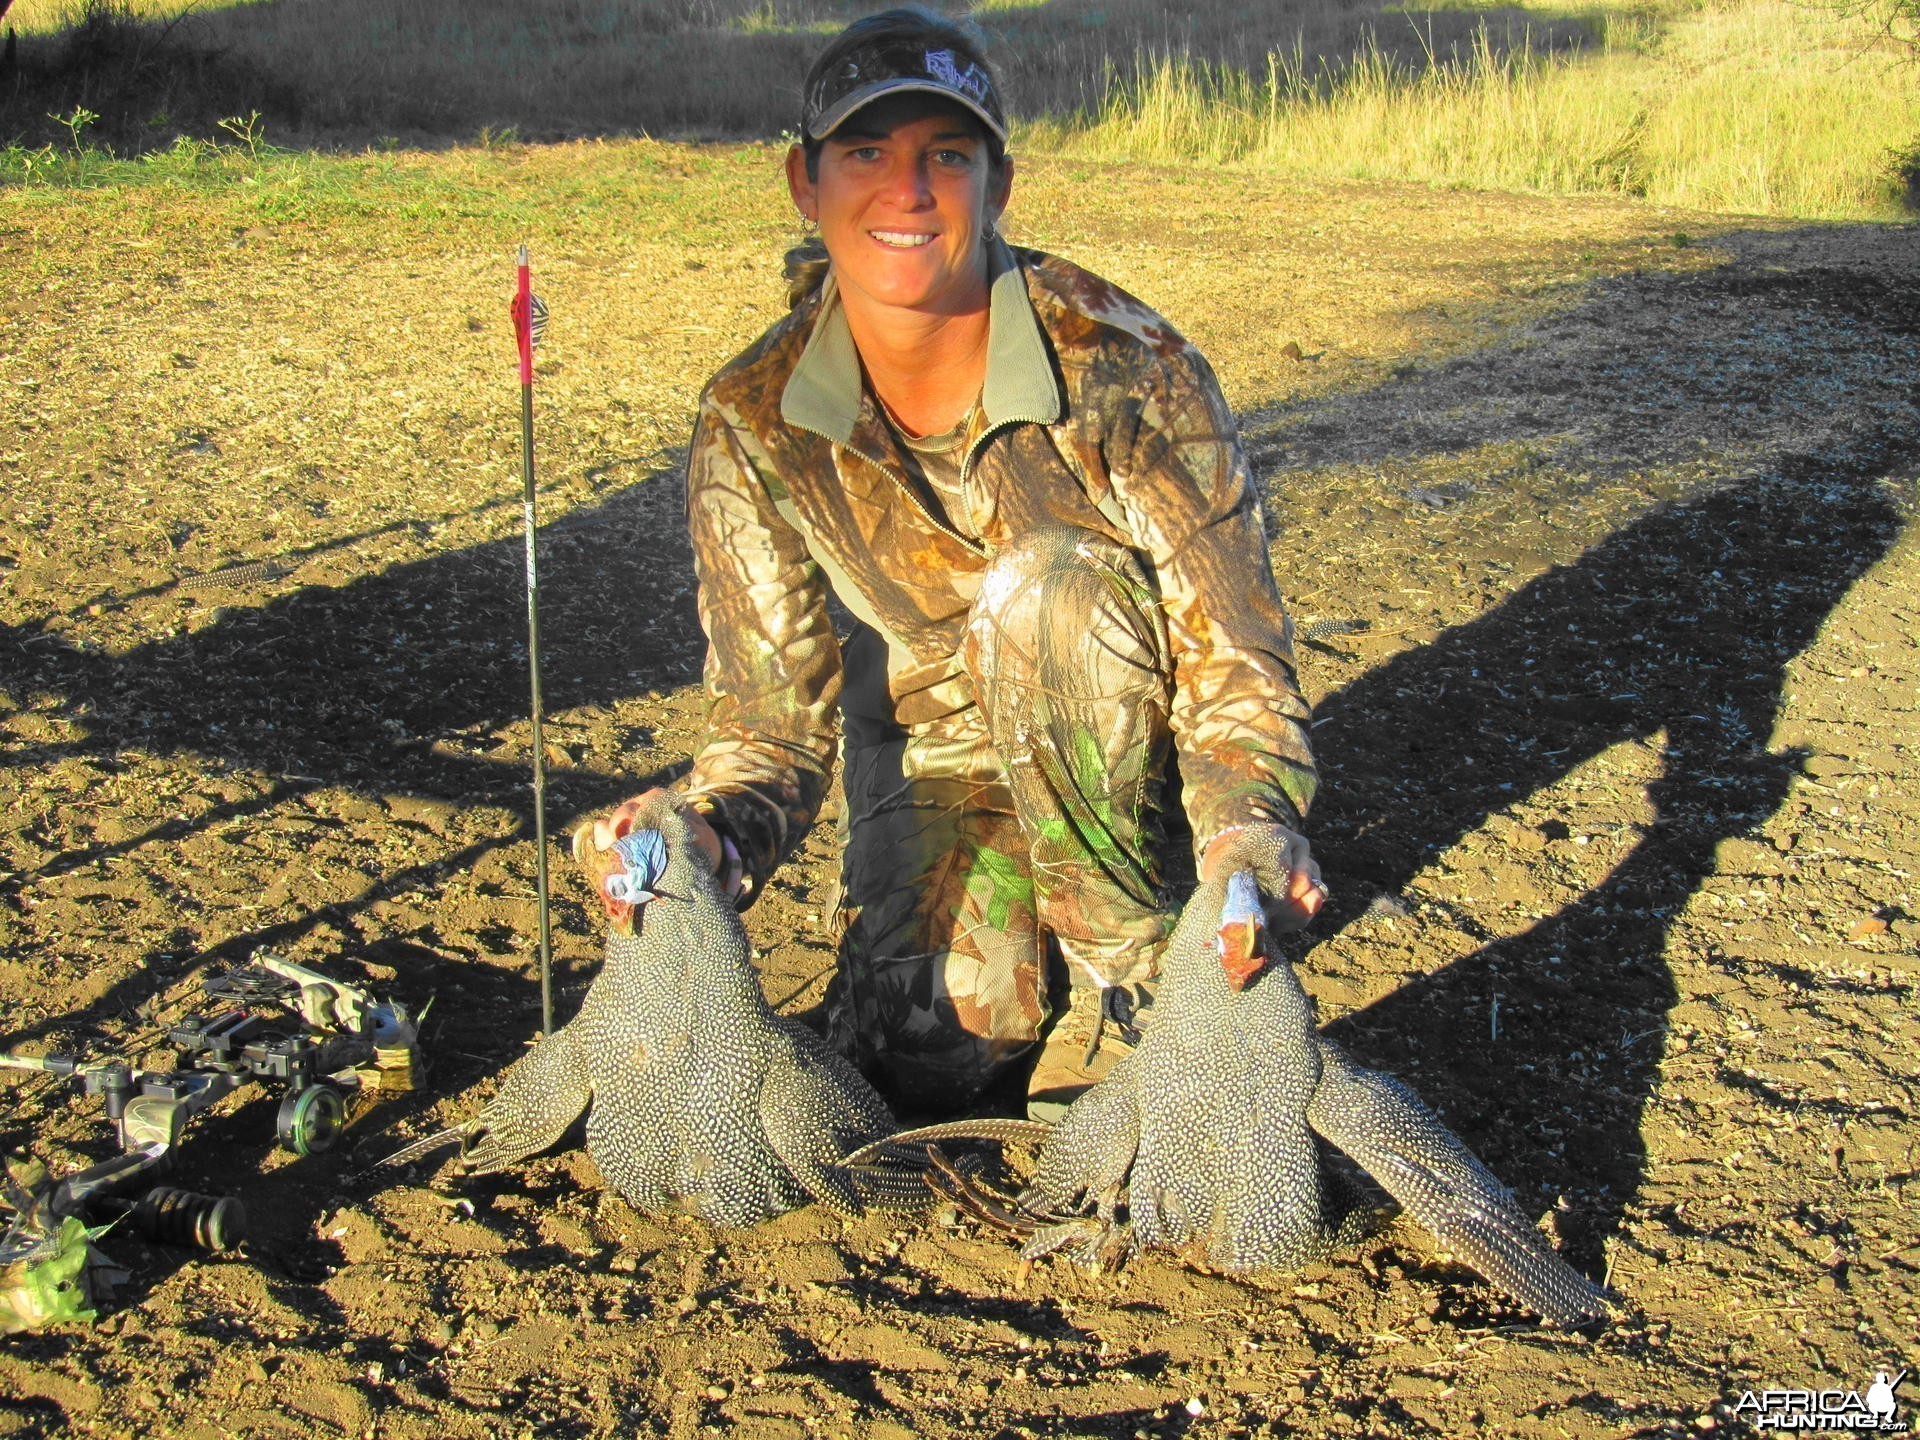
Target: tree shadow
398 680
1678 627
408 683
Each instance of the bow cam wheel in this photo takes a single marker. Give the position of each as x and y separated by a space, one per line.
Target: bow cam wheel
312 1119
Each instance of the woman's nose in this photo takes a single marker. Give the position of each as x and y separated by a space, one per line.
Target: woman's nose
907 184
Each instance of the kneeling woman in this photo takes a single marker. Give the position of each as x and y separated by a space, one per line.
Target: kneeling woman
1028 492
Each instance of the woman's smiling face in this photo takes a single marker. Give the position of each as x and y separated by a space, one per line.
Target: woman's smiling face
904 191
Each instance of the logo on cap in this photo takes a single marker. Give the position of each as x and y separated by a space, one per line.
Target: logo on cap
970 81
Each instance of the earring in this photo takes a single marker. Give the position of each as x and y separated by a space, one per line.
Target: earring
992 232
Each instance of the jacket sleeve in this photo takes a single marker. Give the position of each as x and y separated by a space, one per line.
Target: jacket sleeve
1240 723
773 663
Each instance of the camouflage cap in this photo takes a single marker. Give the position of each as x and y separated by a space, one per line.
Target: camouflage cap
887 67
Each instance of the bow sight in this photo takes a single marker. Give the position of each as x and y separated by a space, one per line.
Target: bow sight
268 1021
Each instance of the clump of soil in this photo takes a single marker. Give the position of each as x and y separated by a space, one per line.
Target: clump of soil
1618 816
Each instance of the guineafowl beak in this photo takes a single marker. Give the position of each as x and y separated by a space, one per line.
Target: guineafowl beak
620 917
1243 930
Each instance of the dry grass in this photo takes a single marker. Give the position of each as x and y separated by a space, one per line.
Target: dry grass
1759 106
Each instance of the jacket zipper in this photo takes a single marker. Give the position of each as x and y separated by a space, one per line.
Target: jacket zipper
966 461
906 490
966 469
973 450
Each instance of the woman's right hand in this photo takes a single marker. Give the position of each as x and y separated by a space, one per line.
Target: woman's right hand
594 851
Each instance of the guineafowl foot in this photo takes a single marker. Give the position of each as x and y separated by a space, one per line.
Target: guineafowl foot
1095 1244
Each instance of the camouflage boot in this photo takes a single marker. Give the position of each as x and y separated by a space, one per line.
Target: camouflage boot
1100 1024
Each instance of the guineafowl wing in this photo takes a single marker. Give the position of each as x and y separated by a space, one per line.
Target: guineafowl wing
1395 1138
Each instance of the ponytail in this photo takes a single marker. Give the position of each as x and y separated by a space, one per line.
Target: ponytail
806 270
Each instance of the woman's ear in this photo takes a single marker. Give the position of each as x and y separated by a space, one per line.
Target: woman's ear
800 185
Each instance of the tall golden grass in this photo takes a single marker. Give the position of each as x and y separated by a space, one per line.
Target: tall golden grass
1760 106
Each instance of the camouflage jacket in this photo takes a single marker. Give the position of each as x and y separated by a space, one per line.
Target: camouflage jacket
1095 414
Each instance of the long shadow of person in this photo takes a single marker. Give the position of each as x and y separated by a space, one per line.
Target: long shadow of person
1680 626
1676 630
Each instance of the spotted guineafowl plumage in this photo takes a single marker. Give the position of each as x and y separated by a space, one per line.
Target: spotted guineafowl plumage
1204 1137
700 1098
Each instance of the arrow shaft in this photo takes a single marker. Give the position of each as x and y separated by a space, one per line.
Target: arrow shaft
523 333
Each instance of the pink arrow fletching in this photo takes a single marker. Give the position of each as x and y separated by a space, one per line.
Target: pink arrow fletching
523 322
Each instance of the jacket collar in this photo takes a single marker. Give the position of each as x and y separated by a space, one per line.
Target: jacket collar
824 393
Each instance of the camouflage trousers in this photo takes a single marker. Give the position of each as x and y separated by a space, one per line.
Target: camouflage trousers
1025 826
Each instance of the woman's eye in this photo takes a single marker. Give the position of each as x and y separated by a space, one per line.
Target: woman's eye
959 159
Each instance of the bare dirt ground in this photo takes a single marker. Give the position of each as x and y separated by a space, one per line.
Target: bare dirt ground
1620 810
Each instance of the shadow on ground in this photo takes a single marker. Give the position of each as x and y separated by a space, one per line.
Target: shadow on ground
1676 629
1680 625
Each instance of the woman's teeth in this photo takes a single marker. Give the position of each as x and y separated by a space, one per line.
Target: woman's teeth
900 240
